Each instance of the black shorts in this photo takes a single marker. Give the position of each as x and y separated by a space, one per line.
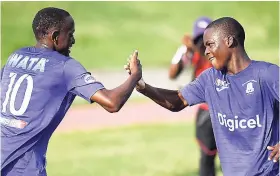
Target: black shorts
204 132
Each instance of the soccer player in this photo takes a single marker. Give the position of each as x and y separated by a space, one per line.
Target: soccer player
39 84
192 53
243 99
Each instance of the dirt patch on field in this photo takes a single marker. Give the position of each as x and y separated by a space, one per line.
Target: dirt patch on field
90 117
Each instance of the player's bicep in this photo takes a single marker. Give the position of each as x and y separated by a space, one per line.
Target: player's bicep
79 81
102 97
194 92
86 91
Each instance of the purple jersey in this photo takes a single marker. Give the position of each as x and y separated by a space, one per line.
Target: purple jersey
38 86
244 112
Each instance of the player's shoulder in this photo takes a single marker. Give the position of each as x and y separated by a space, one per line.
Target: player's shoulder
19 51
264 68
262 64
73 67
71 62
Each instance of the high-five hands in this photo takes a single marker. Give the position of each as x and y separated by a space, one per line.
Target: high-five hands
133 66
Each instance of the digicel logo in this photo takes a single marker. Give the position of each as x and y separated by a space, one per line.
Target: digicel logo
236 123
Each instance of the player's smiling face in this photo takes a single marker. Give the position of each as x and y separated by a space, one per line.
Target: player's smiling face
65 38
216 49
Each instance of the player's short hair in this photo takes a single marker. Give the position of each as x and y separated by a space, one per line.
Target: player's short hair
229 27
46 19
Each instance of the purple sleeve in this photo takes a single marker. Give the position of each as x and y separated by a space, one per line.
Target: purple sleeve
1 72
194 92
79 81
271 79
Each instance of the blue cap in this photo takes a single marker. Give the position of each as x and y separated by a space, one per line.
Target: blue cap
200 26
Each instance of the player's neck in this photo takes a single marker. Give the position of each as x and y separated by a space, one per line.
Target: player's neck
42 45
238 62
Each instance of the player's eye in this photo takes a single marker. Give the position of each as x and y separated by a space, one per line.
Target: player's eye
211 44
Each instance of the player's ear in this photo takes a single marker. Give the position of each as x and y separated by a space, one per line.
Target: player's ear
231 42
55 35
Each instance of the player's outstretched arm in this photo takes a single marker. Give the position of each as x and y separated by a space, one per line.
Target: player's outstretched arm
113 100
169 99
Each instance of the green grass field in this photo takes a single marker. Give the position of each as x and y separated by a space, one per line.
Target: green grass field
147 150
107 32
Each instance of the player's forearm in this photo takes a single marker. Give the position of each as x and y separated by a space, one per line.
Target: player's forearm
168 99
120 94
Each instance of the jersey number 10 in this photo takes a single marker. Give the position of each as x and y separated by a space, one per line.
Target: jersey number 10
12 93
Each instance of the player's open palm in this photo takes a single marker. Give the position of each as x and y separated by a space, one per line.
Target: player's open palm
274 155
133 66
